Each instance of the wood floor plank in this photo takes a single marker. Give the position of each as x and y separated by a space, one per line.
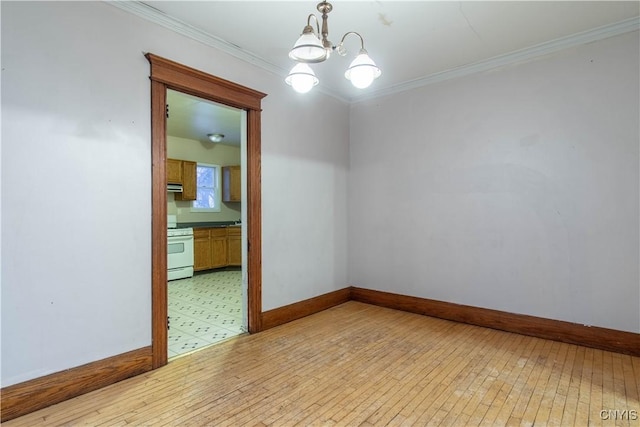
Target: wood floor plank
536 401
370 402
413 358
499 412
335 403
332 397
635 363
573 392
447 382
517 377
431 359
619 395
598 398
562 391
337 406
447 367
584 393
551 389
357 364
495 384
461 391
631 383
443 404
527 383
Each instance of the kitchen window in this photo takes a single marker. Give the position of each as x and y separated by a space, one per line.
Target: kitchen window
208 188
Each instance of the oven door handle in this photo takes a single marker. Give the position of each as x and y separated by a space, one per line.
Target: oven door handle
174 239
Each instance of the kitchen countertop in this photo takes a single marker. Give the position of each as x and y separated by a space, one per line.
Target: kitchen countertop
207 224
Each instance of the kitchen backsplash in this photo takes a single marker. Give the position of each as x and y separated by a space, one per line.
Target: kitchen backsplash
182 210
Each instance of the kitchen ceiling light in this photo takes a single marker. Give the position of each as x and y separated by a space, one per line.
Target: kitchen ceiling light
215 137
309 49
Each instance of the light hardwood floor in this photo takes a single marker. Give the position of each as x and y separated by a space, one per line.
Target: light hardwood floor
357 364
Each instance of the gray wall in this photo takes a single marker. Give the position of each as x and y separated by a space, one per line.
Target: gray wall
76 168
515 189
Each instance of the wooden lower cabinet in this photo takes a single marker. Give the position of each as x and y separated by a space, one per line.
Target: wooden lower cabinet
234 246
216 247
202 259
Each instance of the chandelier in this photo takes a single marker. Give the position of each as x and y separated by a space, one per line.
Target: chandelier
309 49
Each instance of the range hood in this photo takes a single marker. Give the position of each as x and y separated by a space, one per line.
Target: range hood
174 188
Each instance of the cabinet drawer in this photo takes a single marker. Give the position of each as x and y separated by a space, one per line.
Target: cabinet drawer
201 233
234 231
219 232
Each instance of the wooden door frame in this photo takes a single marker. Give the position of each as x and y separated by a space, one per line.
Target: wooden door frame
166 74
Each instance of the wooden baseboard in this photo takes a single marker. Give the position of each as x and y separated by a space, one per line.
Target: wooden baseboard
558 330
281 315
23 398
572 333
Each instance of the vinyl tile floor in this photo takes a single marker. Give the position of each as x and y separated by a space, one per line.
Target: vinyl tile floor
203 310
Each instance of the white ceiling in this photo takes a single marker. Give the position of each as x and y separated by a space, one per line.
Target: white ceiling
409 40
413 42
194 118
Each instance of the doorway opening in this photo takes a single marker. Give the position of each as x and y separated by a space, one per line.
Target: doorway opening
207 302
169 75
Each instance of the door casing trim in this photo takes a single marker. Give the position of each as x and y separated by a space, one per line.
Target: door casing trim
167 74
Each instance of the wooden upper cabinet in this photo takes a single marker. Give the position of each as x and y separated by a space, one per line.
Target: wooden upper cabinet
183 172
231 184
189 183
174 171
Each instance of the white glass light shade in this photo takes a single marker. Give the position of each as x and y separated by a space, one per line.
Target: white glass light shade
308 49
362 71
215 137
301 78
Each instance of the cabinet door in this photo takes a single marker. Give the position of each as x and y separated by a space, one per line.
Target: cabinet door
231 184
219 247
234 248
201 249
189 183
174 171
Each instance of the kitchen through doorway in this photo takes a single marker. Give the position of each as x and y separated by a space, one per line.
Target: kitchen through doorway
206 143
167 74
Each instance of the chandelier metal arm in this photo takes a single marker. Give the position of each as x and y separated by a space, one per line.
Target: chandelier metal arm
342 50
357 34
311 15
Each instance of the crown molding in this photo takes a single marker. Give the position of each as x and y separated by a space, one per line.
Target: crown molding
156 16
600 33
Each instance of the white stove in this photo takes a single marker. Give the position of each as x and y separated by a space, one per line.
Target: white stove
179 250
